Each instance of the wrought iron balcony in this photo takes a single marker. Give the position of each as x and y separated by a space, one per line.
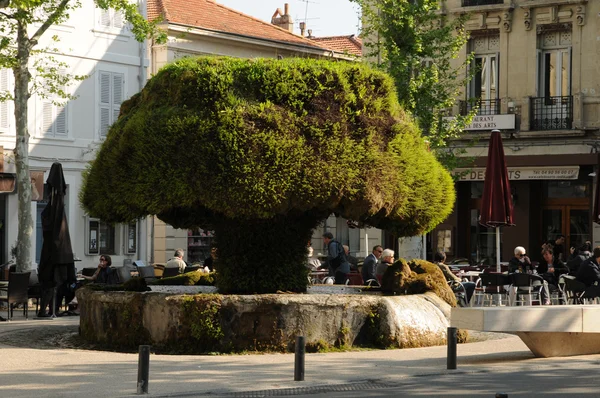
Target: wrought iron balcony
551 113
470 3
485 107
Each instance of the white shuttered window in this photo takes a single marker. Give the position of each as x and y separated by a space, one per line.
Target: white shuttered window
5 75
111 97
111 19
54 117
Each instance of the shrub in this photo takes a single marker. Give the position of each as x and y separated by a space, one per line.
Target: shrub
188 279
277 146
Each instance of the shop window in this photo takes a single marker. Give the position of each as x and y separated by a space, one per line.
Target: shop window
101 238
566 189
199 243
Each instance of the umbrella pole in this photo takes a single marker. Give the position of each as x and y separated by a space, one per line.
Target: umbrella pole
498 268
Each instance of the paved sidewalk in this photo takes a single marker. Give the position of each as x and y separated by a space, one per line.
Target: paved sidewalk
55 372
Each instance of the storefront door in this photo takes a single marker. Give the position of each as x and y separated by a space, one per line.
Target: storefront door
573 221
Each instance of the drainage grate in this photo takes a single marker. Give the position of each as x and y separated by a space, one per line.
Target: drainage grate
284 392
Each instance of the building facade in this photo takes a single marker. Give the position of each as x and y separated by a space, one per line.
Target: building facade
100 45
536 78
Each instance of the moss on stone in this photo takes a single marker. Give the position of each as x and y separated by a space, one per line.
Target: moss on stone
193 278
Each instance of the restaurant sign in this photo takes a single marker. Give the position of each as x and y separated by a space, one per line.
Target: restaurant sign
490 122
523 173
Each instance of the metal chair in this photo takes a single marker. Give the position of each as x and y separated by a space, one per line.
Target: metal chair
528 288
124 274
170 271
34 290
491 285
88 271
18 282
574 290
147 273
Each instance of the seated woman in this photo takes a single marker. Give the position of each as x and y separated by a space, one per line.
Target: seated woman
104 274
550 268
520 262
455 282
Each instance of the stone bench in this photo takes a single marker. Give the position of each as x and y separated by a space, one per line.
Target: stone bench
548 331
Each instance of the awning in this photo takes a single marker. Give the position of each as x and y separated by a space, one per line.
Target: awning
8 182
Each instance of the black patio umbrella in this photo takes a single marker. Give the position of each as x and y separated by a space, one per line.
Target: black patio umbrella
56 261
496 202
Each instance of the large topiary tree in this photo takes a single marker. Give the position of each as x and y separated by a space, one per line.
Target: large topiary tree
262 151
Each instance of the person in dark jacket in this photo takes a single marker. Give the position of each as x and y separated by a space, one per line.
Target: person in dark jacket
336 259
370 264
104 273
520 262
577 257
589 274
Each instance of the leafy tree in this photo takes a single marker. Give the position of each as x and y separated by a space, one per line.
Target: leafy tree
262 151
23 23
417 45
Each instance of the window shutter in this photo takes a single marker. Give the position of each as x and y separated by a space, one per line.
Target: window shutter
4 116
105 18
105 104
47 119
60 122
118 19
117 95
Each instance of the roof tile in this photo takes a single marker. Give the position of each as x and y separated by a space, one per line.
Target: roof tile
207 14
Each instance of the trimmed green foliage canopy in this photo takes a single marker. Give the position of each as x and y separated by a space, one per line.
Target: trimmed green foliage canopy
262 151
253 139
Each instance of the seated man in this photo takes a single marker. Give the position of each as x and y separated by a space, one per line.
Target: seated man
550 268
589 274
520 262
353 261
177 261
455 282
369 267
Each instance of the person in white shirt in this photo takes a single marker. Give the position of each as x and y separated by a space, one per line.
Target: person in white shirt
177 261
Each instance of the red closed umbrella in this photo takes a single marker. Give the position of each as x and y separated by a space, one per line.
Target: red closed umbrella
496 203
596 215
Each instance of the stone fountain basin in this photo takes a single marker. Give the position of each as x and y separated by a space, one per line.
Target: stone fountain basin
173 321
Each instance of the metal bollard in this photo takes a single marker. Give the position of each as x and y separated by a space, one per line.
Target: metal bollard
452 340
143 369
299 359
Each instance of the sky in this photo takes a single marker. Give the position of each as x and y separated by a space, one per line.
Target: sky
324 17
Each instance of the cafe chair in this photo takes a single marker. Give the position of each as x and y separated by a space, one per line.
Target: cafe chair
460 293
147 273
170 271
528 288
192 268
34 290
124 273
89 271
574 290
18 282
491 289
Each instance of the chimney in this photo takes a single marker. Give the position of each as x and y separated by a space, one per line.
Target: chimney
310 36
283 20
302 28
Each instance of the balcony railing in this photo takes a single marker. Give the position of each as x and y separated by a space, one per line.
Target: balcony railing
486 107
551 113
469 3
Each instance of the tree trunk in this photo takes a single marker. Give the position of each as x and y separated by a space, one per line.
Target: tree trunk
242 245
21 94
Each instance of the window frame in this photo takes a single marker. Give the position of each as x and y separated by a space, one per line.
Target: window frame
56 111
93 234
